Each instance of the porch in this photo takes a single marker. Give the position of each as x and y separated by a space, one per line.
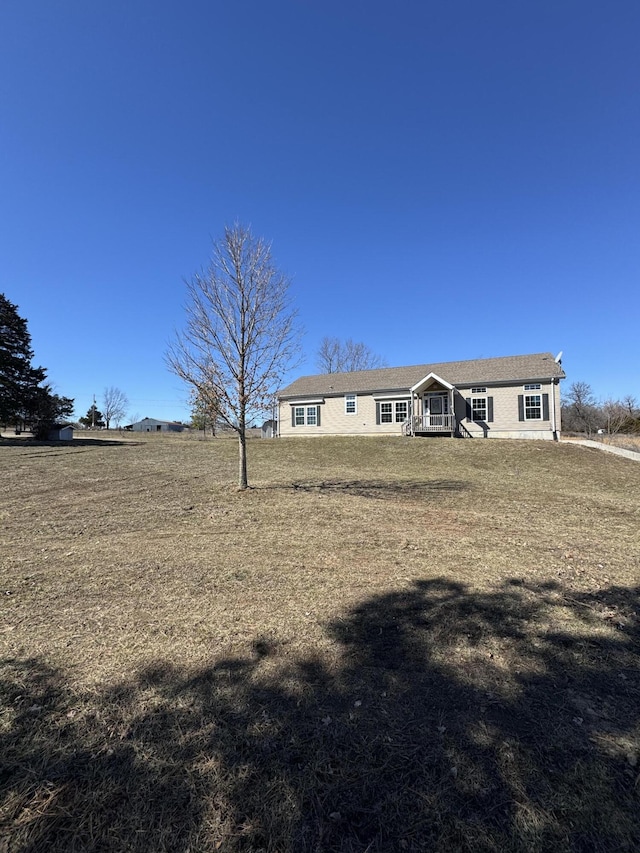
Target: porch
431 424
432 409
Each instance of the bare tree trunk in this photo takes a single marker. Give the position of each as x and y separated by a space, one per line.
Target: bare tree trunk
243 482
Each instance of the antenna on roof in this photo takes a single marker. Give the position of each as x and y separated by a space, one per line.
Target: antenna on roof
558 358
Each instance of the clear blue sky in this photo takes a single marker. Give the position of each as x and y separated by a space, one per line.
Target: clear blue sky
442 180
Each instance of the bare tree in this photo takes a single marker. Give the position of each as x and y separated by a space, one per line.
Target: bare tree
114 405
204 410
335 356
329 356
583 405
240 334
616 414
631 405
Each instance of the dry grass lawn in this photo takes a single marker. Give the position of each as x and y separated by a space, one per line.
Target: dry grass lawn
384 645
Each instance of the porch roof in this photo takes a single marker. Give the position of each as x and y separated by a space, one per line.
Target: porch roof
431 380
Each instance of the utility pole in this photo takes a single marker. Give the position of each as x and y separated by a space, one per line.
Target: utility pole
93 413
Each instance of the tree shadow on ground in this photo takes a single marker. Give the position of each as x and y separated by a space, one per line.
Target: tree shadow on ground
450 719
63 446
376 489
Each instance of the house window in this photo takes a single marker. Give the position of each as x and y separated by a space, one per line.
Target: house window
532 407
386 413
535 386
479 408
350 404
396 411
402 411
478 390
305 416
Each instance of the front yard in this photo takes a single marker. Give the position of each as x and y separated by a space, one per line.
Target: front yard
386 644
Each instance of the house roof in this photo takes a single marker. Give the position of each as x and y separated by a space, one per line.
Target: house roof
512 368
157 421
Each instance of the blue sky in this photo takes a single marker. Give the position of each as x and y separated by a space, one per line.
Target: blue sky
442 181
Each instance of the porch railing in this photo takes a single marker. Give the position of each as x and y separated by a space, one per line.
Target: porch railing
433 423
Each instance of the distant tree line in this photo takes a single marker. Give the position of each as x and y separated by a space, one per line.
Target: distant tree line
27 400
581 412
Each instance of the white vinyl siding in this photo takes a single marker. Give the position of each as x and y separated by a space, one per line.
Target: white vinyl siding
505 415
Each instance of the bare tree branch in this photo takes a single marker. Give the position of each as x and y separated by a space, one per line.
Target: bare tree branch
335 356
240 334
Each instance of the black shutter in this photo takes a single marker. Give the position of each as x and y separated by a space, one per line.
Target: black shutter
469 412
490 409
377 413
545 407
293 416
520 407
318 415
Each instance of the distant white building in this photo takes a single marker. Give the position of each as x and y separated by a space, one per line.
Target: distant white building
155 425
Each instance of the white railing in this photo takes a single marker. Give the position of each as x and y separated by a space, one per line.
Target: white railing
433 423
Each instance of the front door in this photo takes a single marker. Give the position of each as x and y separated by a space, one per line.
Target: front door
436 406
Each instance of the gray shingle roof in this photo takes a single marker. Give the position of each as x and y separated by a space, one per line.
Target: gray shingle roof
511 368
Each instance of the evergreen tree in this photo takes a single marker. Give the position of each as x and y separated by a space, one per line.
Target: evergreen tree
19 381
93 418
24 399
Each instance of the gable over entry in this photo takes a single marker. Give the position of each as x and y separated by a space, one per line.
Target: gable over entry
432 407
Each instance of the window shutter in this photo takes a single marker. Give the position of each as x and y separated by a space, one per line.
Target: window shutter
490 409
468 402
377 413
318 416
520 407
293 416
545 407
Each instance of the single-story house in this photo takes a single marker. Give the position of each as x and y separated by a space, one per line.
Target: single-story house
154 425
510 397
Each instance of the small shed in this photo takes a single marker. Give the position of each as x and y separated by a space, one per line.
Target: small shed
61 432
269 429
